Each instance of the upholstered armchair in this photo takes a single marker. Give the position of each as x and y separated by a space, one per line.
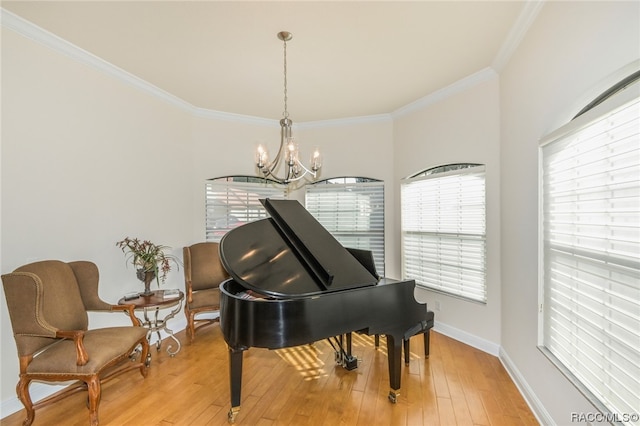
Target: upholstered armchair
48 303
203 274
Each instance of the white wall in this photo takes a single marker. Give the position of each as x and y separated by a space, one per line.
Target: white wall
359 148
89 158
86 161
464 127
221 148
74 138
562 64
354 148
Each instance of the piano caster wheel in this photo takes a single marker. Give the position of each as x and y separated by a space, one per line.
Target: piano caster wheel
233 413
393 396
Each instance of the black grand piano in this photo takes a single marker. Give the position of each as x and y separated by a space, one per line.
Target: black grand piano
293 283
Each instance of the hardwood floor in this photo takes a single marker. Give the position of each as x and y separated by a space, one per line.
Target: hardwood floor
457 385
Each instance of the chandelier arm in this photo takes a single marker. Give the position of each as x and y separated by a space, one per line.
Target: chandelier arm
274 164
285 132
294 169
306 172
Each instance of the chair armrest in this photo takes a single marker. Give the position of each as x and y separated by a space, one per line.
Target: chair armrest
129 309
82 357
188 287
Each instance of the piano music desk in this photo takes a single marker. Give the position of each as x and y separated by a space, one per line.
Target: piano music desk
154 323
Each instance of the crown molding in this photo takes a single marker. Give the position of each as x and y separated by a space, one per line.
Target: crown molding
45 38
515 36
481 76
228 116
528 14
60 45
378 118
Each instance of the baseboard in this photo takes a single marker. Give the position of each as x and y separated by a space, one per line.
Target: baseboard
37 391
527 393
467 338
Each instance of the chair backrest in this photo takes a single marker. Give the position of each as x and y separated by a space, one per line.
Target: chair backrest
202 266
43 297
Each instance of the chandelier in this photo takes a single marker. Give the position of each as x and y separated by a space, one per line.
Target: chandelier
288 151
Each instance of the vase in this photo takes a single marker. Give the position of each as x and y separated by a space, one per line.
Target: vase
146 277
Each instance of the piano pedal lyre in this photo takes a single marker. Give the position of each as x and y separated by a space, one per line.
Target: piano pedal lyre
348 362
232 414
342 353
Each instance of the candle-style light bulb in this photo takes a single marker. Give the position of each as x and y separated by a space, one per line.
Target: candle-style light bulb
261 157
316 160
292 152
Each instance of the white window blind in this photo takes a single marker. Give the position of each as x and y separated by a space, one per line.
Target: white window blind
443 232
352 211
591 254
233 201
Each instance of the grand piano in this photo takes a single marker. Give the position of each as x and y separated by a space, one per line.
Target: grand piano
292 283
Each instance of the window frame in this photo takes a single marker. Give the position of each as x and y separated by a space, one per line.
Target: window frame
450 246
250 189
594 112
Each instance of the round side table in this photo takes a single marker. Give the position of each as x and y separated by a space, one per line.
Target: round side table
152 304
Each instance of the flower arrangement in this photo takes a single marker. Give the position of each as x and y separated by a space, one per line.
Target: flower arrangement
148 258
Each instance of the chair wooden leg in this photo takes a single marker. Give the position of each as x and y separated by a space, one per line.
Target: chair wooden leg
144 367
94 388
191 326
22 389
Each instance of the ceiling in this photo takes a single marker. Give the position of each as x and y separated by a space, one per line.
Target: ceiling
346 59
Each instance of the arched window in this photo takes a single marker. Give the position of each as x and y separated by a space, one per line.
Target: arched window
231 201
352 210
590 251
443 230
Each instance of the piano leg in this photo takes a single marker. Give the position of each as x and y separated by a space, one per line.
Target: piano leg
235 364
394 355
351 362
406 351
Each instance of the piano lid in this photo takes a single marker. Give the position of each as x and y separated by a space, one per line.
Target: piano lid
290 255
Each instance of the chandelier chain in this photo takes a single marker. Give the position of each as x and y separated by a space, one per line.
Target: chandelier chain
288 151
285 114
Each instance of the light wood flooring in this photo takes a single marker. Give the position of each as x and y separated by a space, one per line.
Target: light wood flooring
457 385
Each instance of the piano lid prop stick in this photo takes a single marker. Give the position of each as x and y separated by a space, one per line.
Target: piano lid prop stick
323 275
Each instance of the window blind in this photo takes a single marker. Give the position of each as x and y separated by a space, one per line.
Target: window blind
591 255
443 232
353 212
230 203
